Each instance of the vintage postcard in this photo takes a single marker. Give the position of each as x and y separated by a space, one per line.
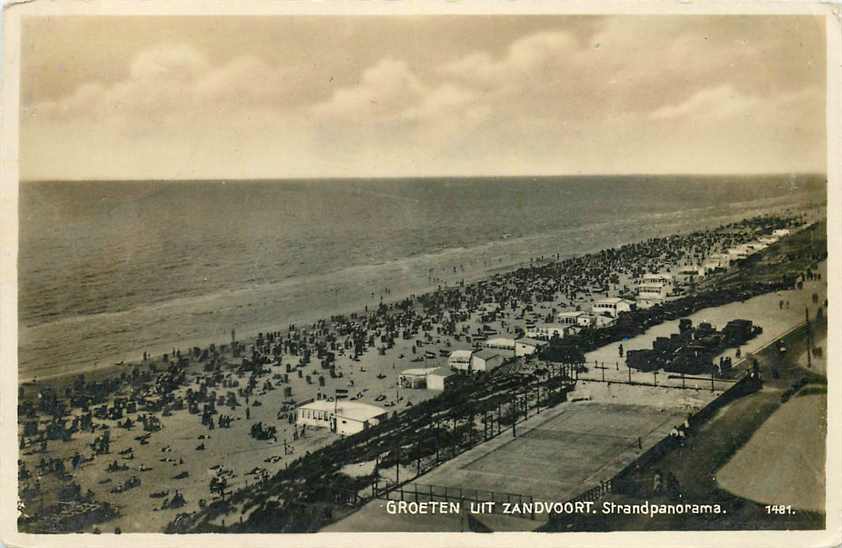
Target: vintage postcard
452 268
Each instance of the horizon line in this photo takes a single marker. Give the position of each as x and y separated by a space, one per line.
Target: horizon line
428 177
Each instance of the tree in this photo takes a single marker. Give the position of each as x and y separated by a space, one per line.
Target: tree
562 351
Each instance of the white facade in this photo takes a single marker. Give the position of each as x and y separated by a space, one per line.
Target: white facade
664 279
739 252
569 318
414 378
437 379
652 291
781 232
527 346
460 359
486 360
344 417
611 306
601 320
690 274
723 259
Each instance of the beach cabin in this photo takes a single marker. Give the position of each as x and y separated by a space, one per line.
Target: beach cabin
612 306
526 346
547 331
460 360
344 417
486 360
439 379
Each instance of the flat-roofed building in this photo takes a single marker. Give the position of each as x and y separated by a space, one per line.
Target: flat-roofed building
569 318
414 377
603 320
486 360
343 417
690 274
612 306
652 291
460 360
663 278
526 346
439 378
739 252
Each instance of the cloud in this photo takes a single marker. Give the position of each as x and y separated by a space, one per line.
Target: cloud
712 103
175 62
532 58
385 91
624 94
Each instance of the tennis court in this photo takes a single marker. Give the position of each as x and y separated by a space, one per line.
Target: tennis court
560 454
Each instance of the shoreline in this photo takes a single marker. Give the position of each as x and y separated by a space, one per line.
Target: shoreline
247 332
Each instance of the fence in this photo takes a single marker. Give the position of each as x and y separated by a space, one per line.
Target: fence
745 385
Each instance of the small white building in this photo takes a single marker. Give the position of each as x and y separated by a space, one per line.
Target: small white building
662 278
343 417
612 306
439 378
652 291
414 377
526 346
486 360
570 318
781 232
460 360
690 274
739 253
547 331
603 320
724 259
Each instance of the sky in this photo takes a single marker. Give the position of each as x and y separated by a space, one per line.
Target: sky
387 96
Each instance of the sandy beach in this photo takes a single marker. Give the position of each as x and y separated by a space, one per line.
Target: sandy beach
362 352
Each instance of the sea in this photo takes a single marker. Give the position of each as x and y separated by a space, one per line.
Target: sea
110 269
